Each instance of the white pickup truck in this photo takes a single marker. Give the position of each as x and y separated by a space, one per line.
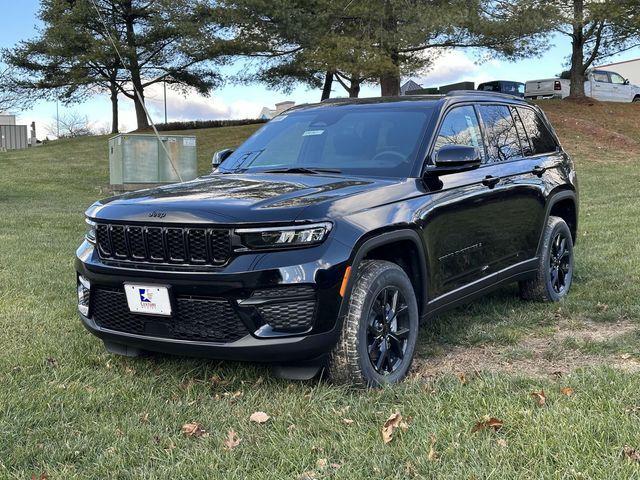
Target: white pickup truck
601 85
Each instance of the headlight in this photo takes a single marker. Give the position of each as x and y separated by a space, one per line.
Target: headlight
90 234
282 237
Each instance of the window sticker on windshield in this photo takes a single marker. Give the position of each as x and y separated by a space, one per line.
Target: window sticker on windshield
279 118
311 133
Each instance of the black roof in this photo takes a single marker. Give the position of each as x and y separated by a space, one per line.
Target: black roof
432 100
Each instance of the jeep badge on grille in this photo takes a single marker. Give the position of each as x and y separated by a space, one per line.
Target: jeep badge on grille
158 214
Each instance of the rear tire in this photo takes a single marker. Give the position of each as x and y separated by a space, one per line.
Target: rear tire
555 265
380 329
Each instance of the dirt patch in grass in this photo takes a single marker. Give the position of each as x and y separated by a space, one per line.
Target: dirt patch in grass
533 356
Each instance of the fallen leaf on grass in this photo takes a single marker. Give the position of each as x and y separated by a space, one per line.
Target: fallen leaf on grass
490 422
462 378
432 456
194 429
310 475
347 421
232 440
631 453
43 476
144 418
568 391
391 425
502 442
322 463
259 417
539 397
217 381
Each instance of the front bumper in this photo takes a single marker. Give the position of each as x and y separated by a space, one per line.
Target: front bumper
238 285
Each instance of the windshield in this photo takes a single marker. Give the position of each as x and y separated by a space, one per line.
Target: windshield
352 140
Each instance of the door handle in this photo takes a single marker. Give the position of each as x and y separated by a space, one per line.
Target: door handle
538 170
490 181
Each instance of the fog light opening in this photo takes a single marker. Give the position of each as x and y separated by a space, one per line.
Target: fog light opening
84 291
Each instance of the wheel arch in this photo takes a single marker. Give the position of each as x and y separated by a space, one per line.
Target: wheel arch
403 247
563 204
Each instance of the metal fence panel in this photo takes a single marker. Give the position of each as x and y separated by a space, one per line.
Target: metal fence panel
13 137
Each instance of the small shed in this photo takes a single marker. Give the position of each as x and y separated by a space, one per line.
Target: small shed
139 159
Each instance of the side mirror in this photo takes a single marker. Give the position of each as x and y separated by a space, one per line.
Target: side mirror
455 158
219 157
626 81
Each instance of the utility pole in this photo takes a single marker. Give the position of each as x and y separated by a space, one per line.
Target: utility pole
57 119
164 83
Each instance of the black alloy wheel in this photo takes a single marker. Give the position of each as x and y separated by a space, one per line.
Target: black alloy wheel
560 263
388 331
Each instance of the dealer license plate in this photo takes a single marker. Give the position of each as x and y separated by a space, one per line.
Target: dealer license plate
149 299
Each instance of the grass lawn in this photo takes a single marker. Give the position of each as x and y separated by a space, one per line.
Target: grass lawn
69 410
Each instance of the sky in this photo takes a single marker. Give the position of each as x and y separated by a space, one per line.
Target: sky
18 21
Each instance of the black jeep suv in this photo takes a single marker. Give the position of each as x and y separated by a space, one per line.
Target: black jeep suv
326 237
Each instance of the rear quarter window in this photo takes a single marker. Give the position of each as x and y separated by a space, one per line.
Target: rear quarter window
540 137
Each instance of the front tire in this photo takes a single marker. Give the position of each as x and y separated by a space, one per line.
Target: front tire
380 329
555 266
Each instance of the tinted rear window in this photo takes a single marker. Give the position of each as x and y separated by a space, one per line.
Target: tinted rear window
501 135
539 135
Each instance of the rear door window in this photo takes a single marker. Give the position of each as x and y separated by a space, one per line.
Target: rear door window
539 135
501 135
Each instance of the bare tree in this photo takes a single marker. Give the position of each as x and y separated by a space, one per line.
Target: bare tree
70 125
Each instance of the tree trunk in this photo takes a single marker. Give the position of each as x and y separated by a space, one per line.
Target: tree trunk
354 88
390 79
390 84
141 115
113 87
328 83
134 67
577 77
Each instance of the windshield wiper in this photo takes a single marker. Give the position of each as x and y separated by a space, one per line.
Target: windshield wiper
303 170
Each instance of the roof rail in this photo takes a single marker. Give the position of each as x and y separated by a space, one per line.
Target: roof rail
457 93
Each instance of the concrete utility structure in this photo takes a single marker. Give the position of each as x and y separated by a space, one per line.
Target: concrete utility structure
268 113
12 136
629 69
137 160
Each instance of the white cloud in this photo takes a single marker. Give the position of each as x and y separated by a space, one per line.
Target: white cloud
449 67
452 66
193 106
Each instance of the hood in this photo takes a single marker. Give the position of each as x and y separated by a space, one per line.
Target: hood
248 198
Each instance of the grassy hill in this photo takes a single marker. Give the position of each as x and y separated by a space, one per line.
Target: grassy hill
69 410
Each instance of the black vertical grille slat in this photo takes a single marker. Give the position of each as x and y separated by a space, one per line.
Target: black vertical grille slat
118 241
175 244
219 243
164 244
155 244
136 243
197 242
102 238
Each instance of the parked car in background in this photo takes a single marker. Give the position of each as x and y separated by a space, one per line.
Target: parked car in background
329 235
601 85
503 86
